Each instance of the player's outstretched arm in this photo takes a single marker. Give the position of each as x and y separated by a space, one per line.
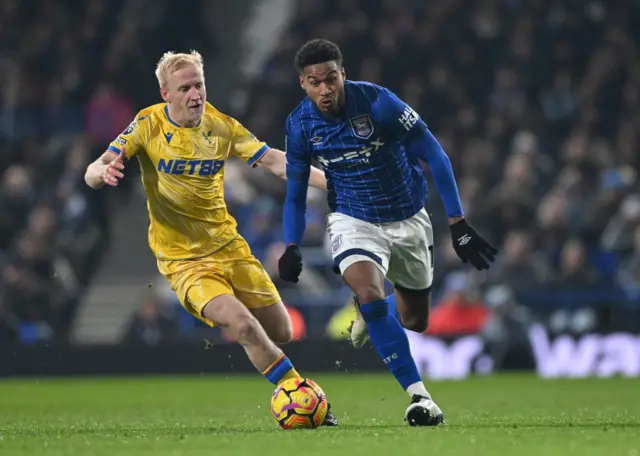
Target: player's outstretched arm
105 170
108 168
275 161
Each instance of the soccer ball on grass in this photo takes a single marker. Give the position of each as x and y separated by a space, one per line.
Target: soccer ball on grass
299 403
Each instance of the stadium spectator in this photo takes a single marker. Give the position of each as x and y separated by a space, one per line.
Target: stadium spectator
150 325
64 67
459 311
536 103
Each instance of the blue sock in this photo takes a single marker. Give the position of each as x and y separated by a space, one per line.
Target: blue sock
280 370
390 341
393 307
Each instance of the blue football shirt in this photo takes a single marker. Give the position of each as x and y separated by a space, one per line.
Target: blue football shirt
370 174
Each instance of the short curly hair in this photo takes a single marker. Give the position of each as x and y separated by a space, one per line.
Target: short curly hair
317 51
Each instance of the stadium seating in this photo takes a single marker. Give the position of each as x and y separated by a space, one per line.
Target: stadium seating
536 103
72 80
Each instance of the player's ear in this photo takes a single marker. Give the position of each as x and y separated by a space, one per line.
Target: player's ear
344 73
301 82
164 93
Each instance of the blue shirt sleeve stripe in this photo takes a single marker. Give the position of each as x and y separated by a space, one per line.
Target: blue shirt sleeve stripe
253 161
114 149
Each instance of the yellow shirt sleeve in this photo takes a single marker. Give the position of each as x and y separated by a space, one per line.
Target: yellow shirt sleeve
133 138
245 145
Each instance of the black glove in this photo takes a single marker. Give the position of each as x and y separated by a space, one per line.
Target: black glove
470 246
290 264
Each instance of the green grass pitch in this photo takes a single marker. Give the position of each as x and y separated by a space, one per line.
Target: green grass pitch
227 416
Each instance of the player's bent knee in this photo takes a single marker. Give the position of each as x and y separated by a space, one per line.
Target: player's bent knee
366 280
416 323
282 334
367 294
246 329
227 311
413 297
414 309
414 301
368 290
276 322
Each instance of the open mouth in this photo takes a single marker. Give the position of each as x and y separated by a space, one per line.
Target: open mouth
326 103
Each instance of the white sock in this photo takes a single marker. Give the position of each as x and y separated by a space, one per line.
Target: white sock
417 388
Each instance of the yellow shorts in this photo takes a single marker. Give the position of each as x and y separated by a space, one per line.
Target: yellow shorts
231 270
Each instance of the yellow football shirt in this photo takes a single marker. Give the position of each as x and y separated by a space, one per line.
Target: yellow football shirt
182 173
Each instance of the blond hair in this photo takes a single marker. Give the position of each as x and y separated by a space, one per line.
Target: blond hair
170 62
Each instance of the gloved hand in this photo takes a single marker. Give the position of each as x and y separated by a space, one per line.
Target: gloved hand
290 264
470 246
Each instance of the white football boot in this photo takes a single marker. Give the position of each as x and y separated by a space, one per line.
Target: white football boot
423 412
358 332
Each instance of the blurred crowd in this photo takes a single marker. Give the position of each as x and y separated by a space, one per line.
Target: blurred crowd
536 102
73 75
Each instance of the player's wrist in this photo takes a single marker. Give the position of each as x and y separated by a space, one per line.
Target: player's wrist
454 220
292 247
94 176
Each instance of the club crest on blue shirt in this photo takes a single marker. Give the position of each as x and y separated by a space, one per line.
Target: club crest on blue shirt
362 126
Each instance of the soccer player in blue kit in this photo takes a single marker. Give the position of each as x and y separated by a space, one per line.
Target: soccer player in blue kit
371 145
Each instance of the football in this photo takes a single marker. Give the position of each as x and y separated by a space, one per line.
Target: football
299 403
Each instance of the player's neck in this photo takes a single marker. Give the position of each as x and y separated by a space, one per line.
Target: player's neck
190 123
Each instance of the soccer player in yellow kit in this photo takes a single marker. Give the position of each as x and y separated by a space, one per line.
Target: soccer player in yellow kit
181 146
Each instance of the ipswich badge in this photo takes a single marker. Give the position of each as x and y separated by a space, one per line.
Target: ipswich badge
362 126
